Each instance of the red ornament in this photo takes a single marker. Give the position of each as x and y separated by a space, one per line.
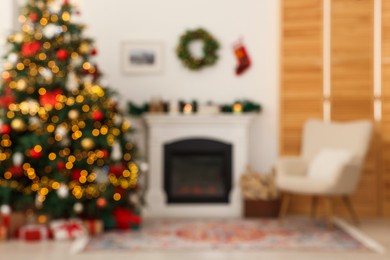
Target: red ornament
60 165
105 153
50 98
5 129
66 2
94 52
97 115
117 169
35 154
31 48
76 174
62 54
101 202
6 98
17 171
33 17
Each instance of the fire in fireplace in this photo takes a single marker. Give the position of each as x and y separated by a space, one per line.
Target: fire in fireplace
197 171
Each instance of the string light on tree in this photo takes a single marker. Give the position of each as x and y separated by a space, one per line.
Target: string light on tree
61 132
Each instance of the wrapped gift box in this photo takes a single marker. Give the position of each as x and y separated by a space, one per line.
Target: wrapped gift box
67 229
94 226
3 233
33 233
14 222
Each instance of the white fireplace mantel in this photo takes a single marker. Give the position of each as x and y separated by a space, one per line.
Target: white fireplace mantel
163 129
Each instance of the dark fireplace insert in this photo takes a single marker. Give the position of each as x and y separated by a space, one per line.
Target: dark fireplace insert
198 171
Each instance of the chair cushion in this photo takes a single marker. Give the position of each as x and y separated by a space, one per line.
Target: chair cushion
328 163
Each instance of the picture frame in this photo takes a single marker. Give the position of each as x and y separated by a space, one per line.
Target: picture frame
142 57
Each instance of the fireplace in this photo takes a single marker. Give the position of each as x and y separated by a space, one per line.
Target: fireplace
206 155
197 171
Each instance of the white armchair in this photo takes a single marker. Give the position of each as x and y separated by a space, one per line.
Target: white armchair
330 164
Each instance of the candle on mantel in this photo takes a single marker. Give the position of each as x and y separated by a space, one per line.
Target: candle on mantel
188 109
237 108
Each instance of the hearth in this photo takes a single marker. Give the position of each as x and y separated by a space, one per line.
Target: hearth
197 171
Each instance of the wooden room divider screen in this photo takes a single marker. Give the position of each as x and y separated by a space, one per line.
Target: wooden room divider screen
327 71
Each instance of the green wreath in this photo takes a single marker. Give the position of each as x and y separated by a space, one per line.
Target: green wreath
210 48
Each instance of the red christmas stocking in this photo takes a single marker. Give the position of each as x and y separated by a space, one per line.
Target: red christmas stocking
244 62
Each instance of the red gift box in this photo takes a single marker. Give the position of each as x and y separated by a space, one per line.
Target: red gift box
3 233
94 226
34 233
125 218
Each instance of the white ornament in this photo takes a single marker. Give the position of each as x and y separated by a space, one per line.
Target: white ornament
12 58
46 74
118 119
101 174
144 166
61 131
51 30
5 210
72 81
63 191
78 207
116 153
18 158
34 121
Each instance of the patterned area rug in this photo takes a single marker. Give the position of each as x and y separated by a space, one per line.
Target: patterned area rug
229 234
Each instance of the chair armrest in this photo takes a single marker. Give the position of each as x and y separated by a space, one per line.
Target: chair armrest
291 166
348 179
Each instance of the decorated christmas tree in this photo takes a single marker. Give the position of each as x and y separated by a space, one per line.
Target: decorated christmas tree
65 148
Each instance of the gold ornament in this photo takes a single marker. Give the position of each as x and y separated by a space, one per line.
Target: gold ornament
84 48
73 114
87 143
18 125
21 85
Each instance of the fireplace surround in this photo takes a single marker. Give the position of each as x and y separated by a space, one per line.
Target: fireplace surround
211 131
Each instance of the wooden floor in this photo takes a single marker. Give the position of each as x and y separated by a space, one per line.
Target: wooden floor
377 229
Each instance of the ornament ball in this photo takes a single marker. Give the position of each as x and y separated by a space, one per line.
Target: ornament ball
5 129
97 115
62 54
73 114
35 154
87 143
18 125
78 207
101 202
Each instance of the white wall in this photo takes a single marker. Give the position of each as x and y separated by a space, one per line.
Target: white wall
6 23
111 23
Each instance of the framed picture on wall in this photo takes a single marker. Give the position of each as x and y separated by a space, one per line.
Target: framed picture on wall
142 57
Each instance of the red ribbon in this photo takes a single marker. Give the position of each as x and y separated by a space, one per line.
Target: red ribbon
70 228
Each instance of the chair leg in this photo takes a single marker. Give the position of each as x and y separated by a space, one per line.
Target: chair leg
314 204
351 211
284 207
329 212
